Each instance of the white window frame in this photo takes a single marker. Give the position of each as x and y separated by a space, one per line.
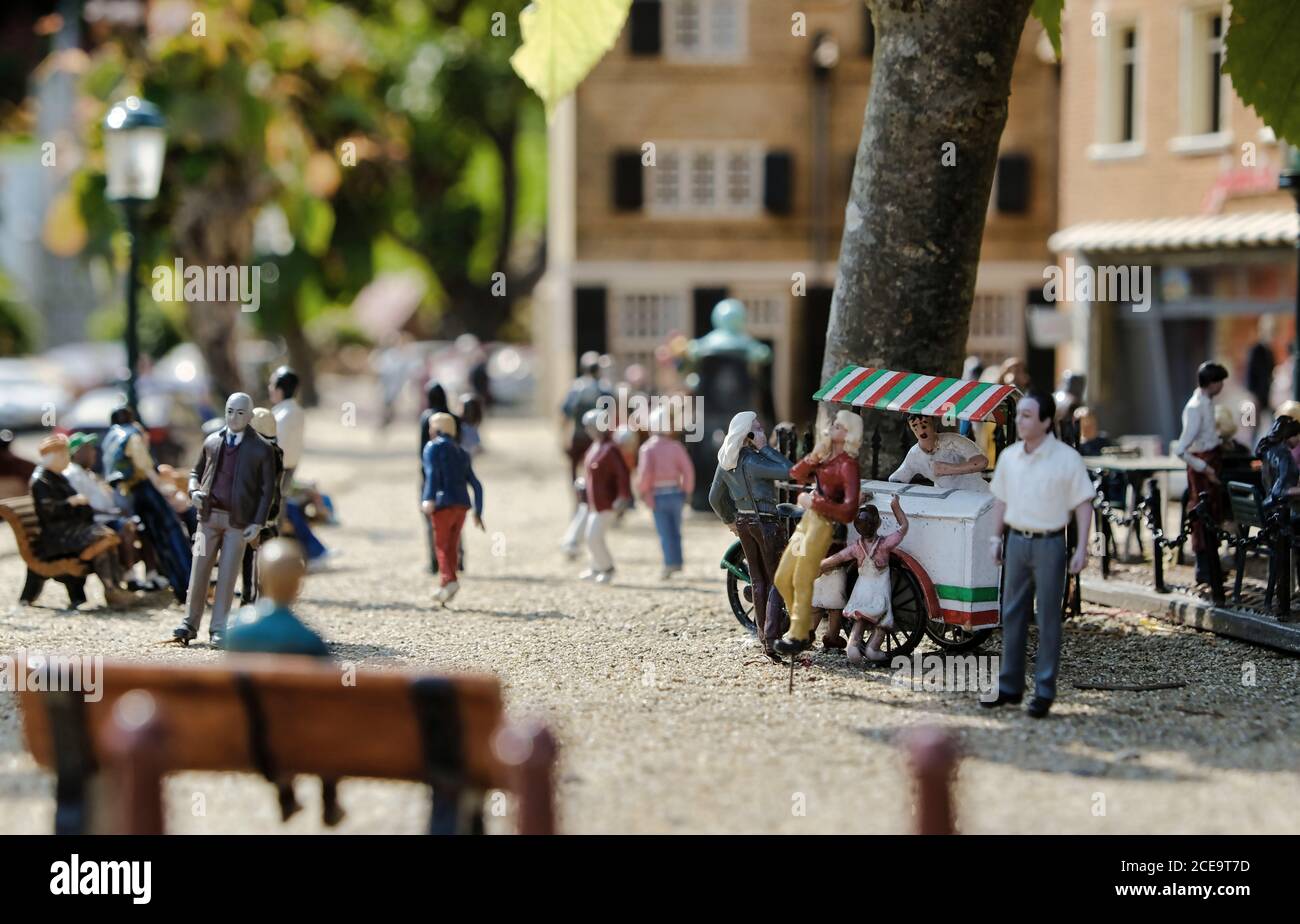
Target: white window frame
707 52
628 347
1194 75
684 205
1110 111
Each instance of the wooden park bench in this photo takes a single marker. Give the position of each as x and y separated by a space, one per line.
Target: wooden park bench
20 514
279 716
1247 507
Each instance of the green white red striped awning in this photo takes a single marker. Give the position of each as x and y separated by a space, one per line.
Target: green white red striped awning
913 393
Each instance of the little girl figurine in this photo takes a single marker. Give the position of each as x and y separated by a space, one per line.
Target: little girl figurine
870 600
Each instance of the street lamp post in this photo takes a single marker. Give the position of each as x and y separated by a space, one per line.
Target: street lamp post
135 143
1289 178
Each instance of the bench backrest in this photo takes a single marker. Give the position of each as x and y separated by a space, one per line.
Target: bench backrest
279 715
20 514
1247 504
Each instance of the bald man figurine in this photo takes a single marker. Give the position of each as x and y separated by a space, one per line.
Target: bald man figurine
232 486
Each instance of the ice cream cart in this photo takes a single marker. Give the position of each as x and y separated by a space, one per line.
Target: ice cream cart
945 582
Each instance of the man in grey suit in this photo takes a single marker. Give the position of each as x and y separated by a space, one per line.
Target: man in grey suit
231 486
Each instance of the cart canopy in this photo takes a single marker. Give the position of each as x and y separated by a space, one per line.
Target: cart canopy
913 393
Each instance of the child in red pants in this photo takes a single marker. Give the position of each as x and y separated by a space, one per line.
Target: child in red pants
448 478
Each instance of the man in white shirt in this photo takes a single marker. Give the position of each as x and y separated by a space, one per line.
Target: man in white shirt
290 424
1198 446
948 460
1039 483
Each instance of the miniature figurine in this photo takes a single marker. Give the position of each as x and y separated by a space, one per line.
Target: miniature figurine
264 423
1039 483
743 495
583 396
608 490
1198 446
1279 474
871 600
577 528
270 627
106 503
233 486
665 478
833 466
949 460
68 527
436 403
471 418
129 468
448 477
290 422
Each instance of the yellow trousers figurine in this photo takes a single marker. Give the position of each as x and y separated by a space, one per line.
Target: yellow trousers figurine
800 564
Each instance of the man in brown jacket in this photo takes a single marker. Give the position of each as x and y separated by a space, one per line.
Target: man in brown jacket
232 486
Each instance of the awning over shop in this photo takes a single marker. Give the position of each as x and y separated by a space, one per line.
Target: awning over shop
910 392
1202 232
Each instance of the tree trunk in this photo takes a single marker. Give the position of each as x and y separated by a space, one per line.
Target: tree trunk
940 82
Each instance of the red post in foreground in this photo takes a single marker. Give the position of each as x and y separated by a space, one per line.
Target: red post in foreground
529 751
135 747
932 757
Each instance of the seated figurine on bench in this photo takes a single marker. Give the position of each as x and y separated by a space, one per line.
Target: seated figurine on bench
109 507
68 527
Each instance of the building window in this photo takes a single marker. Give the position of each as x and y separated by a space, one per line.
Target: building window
1119 111
1127 84
706 30
706 180
641 321
1202 99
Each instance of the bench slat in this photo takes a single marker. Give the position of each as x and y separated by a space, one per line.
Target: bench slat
314 724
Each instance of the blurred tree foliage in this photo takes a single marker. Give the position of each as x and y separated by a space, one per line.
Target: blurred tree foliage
318 136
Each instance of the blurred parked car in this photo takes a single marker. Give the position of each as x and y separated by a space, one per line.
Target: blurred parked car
83 366
30 389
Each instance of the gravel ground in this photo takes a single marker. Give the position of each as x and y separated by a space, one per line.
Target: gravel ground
668 717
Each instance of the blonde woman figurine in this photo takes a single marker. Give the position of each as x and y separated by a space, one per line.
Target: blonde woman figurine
833 467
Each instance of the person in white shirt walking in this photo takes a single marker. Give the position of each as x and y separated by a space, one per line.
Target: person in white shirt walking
1039 483
1198 446
948 460
290 420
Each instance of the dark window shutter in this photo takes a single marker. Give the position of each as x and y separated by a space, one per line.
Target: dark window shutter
589 320
704 301
1013 184
646 24
778 182
628 195
868 33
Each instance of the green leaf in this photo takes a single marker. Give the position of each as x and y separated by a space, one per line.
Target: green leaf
1049 14
563 41
1263 61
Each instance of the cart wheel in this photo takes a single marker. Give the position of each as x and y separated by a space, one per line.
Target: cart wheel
908 604
956 639
740 593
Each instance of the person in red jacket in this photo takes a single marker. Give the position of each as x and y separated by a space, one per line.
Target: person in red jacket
609 488
833 467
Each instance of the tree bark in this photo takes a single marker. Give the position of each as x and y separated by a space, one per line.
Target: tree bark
940 83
